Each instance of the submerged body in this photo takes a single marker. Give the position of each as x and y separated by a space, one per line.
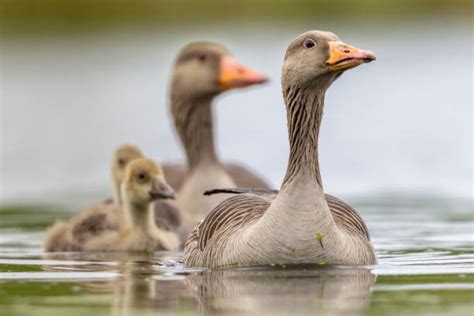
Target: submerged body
297 224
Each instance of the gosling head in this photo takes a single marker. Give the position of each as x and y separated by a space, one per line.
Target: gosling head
205 69
122 156
318 57
144 183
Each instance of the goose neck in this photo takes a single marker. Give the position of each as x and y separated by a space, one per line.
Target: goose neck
194 124
304 112
141 217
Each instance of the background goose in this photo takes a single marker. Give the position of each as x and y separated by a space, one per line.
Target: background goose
201 72
294 225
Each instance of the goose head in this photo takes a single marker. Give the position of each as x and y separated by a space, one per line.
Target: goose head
144 183
318 57
206 69
121 158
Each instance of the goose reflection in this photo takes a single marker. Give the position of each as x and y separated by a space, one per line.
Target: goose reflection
158 284
283 290
141 287
139 282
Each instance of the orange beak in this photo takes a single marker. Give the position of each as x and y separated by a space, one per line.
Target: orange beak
343 56
235 75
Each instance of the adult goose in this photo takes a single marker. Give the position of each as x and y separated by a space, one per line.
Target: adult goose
201 72
294 225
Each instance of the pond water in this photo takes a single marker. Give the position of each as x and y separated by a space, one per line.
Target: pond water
396 143
426 267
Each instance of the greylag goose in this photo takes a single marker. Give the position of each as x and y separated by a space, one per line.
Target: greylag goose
295 225
201 72
143 183
106 216
68 235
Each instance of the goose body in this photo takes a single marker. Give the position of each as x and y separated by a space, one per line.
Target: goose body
201 72
298 224
201 179
241 176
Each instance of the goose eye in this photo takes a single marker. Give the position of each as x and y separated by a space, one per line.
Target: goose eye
142 176
121 162
309 43
202 57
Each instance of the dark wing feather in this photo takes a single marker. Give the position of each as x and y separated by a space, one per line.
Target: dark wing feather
344 215
261 192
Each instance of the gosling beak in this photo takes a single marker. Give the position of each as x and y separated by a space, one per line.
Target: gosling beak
343 56
235 75
161 190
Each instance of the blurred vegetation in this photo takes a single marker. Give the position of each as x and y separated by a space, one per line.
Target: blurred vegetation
31 217
85 15
422 302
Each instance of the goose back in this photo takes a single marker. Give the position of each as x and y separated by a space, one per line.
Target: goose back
242 176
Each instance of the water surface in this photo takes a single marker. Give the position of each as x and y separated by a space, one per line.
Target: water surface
425 248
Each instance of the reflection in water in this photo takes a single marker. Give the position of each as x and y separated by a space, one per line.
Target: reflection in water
144 282
136 290
147 283
290 290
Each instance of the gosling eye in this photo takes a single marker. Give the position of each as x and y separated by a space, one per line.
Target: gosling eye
202 57
121 162
142 177
308 43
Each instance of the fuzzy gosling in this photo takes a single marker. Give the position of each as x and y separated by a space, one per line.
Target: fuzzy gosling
143 184
71 235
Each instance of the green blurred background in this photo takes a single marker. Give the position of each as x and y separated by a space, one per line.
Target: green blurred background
64 15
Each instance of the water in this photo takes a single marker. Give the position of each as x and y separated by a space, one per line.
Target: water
425 247
396 142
